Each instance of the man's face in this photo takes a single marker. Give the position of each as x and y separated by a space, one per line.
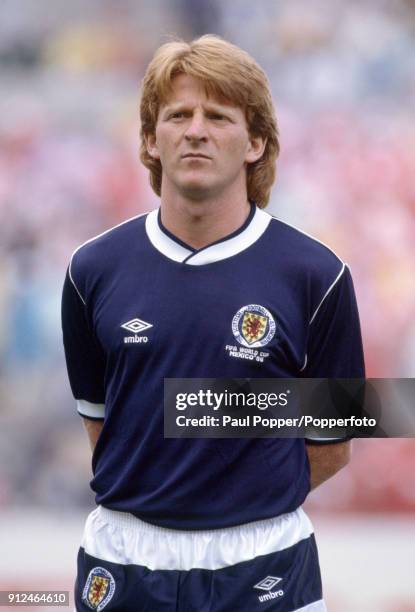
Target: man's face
202 143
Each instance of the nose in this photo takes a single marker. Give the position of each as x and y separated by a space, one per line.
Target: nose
196 129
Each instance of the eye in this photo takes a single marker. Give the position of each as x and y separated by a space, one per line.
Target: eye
216 116
177 115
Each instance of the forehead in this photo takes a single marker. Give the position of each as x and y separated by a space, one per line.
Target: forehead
185 88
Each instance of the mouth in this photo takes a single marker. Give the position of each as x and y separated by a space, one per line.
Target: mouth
195 156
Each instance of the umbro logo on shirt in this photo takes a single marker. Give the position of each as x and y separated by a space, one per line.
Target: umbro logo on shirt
136 326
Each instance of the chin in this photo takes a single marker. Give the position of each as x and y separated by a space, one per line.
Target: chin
196 190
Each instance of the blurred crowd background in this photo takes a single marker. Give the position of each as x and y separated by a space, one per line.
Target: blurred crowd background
343 79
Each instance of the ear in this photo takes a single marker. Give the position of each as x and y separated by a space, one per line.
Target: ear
151 144
256 149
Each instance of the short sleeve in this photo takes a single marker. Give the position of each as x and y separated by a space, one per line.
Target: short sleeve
85 359
335 348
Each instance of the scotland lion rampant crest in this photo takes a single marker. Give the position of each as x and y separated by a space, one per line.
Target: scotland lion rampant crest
99 588
253 326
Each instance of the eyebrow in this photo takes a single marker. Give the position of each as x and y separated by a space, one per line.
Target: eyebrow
209 107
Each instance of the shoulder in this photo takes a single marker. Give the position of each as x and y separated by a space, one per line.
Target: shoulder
109 240
308 265
304 254
99 254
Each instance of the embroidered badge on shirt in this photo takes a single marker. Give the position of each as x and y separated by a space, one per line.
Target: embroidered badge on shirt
253 327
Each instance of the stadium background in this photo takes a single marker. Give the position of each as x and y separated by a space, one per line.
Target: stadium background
342 76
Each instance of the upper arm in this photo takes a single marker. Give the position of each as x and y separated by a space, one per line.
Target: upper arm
334 348
85 358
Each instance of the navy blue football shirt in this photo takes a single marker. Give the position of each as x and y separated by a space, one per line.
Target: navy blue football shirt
139 306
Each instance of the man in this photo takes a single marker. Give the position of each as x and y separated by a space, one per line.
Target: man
203 524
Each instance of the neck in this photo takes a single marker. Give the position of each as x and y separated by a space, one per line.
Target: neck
199 223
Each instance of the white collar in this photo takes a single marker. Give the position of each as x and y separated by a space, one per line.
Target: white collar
234 244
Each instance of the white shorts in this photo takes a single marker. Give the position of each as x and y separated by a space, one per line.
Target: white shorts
126 564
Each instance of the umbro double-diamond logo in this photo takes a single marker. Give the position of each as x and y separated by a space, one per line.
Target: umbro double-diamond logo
136 326
267 584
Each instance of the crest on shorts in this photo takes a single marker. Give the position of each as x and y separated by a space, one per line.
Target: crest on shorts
99 588
253 326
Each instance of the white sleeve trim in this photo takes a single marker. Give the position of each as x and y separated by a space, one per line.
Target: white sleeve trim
88 409
327 293
316 439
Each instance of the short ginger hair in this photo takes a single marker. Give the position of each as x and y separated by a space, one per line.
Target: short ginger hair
227 73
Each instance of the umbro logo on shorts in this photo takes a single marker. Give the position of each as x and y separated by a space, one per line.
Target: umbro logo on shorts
136 326
266 584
